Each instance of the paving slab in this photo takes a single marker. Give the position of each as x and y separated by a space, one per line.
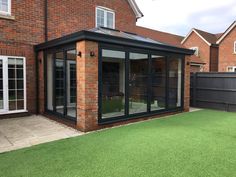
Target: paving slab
24 132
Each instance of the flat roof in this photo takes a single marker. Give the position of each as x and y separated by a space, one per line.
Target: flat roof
113 36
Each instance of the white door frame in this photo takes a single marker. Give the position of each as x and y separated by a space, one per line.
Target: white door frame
5 109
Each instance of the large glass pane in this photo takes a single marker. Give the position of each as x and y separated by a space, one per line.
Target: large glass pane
59 83
100 18
110 20
158 93
138 83
113 83
175 82
71 83
4 5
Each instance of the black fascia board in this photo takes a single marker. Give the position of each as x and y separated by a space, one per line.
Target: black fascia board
100 37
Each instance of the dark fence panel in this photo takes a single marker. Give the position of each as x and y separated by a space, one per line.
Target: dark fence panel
213 91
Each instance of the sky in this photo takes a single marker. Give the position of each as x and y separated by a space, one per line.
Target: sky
180 16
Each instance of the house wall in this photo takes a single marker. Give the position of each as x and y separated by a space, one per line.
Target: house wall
226 55
204 49
19 34
68 16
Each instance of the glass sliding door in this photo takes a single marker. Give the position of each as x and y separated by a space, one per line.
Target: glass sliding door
113 83
61 83
158 87
138 83
175 82
135 83
71 83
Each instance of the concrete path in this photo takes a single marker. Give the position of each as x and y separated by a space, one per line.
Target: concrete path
192 109
28 131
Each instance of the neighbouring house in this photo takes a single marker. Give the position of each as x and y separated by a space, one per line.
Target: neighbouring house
83 62
227 50
205 58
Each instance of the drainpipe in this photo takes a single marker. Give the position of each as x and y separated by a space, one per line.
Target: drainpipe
36 56
46 20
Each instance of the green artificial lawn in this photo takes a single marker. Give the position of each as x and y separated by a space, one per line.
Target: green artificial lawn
197 144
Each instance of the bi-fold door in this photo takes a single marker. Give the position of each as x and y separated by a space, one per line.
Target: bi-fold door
61 83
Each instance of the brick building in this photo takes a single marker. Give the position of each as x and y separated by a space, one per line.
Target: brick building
206 50
227 50
214 52
86 64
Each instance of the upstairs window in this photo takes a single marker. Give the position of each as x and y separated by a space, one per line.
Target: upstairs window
5 7
235 47
196 50
105 18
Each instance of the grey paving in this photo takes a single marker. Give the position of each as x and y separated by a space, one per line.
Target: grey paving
28 131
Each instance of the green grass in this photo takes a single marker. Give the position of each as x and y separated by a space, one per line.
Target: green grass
197 144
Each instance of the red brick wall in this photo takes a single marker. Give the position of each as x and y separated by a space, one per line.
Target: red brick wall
187 84
204 49
87 86
18 36
226 55
214 59
41 80
28 24
68 16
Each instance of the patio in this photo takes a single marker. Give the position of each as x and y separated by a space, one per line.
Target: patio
28 131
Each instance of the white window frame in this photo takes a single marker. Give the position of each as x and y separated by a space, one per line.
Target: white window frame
234 47
232 67
6 110
196 50
105 10
9 9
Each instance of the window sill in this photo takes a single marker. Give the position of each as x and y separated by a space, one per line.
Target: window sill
13 112
7 17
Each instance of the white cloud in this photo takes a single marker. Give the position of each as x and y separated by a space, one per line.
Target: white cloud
180 16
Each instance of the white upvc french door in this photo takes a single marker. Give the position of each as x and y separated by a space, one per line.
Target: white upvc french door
12 84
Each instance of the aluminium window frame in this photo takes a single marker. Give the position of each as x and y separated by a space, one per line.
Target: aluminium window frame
6 110
105 10
8 12
127 50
